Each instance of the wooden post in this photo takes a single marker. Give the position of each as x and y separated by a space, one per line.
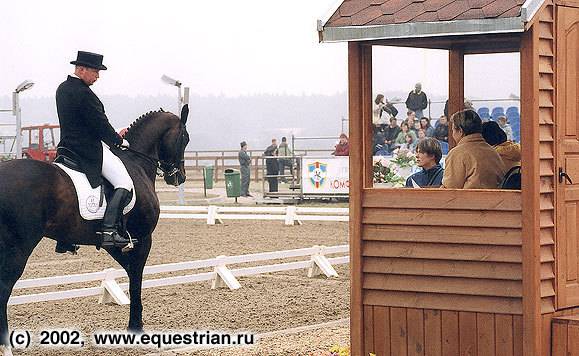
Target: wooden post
360 111
530 191
455 88
356 181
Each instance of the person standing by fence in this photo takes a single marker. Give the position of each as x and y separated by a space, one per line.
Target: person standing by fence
284 150
244 162
417 100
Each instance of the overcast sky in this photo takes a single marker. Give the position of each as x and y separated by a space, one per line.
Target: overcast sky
226 47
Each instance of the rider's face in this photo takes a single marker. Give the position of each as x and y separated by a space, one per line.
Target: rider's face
88 75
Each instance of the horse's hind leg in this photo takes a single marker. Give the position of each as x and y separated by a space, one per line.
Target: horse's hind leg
134 262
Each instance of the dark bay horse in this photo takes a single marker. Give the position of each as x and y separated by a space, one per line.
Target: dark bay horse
37 199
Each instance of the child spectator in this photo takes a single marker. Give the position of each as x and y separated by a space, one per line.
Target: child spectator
408 143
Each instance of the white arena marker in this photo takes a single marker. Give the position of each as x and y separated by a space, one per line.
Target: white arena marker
223 276
212 217
291 217
111 290
320 264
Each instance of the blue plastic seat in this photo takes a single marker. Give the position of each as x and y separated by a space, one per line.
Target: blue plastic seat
482 111
444 146
498 111
512 110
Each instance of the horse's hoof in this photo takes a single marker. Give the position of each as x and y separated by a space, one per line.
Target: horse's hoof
5 350
138 330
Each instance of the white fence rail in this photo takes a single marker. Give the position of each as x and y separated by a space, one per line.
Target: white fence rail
291 214
110 290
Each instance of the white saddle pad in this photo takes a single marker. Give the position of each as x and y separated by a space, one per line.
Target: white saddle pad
89 198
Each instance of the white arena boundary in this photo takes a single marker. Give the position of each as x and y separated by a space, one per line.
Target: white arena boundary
111 291
291 214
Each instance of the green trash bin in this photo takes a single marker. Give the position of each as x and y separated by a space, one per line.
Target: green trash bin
233 183
208 174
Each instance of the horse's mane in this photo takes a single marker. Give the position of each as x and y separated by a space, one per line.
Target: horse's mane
141 119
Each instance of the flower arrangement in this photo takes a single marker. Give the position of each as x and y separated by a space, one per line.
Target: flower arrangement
386 174
404 158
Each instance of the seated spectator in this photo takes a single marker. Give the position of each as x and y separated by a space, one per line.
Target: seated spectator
343 147
379 143
473 163
408 143
425 125
506 127
509 151
391 133
410 121
421 136
401 138
441 131
416 127
429 153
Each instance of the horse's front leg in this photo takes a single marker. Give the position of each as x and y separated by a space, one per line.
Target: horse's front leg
134 262
12 262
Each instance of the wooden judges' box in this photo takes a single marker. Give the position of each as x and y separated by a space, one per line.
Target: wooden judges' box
449 272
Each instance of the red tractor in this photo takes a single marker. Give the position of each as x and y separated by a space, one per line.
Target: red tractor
39 142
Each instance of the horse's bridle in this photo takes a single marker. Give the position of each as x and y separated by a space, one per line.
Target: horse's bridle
173 166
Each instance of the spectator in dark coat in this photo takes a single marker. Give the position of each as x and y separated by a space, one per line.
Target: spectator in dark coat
272 165
390 133
441 131
417 100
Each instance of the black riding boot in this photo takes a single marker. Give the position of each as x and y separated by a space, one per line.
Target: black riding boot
112 219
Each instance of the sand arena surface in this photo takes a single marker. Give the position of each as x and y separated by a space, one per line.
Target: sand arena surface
265 303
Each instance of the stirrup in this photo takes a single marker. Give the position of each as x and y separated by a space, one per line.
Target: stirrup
113 239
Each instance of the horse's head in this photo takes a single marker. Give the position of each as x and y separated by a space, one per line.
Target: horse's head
172 150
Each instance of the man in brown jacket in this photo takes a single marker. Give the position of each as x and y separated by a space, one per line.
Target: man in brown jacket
473 163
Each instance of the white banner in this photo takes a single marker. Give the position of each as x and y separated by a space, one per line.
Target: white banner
326 175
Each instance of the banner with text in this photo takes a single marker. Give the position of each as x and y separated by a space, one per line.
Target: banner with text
327 175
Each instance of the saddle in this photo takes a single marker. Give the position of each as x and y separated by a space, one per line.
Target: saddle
92 201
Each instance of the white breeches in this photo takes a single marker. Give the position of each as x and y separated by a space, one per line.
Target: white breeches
114 170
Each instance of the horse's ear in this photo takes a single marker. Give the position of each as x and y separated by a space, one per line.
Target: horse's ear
184 113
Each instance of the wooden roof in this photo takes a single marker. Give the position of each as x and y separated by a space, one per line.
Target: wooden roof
384 12
357 20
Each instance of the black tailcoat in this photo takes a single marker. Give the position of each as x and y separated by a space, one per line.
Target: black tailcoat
83 125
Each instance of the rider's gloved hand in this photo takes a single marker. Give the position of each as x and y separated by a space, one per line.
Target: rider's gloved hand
125 144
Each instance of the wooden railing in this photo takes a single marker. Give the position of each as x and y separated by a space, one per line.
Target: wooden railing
195 161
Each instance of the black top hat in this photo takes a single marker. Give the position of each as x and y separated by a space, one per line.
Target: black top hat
89 59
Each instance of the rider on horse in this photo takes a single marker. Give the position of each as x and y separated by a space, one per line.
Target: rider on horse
86 131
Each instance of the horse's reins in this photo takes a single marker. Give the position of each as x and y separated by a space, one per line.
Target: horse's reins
158 162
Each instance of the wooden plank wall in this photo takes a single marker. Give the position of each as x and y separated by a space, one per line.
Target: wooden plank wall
413 331
441 257
545 29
